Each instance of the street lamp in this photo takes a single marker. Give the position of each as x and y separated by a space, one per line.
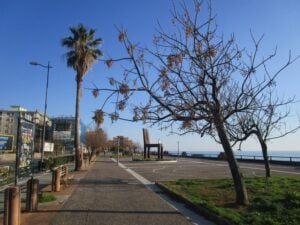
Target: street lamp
178 151
48 67
118 150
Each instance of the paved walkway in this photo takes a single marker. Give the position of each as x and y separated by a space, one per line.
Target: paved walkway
112 195
109 195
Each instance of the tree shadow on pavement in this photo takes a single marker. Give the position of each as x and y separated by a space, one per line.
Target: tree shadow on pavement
106 211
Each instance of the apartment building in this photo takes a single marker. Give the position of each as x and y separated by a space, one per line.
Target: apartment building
9 122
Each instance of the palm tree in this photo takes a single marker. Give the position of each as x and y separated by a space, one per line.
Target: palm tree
82 54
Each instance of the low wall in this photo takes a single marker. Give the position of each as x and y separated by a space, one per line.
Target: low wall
10 157
7 157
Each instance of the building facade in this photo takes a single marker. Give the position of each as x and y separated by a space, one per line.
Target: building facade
63 133
9 123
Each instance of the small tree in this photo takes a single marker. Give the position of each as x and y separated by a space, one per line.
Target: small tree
194 81
267 122
82 53
96 140
126 145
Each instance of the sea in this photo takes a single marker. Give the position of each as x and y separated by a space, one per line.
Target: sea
273 155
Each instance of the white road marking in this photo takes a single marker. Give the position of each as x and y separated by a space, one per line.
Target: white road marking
161 168
226 165
179 207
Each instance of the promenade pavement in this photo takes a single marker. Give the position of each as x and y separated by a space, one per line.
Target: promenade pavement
125 194
108 195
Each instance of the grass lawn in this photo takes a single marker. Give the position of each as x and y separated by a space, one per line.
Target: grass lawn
274 201
46 197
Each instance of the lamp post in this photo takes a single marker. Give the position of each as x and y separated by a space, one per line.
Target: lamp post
178 151
118 150
48 67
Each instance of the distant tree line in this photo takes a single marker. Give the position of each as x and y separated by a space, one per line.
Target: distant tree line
97 141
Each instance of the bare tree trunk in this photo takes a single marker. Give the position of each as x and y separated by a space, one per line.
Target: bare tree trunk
93 153
240 187
264 149
78 160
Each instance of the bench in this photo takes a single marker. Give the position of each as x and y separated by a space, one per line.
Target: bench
148 145
59 174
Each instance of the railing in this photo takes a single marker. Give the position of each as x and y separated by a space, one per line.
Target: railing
291 159
271 158
7 172
211 156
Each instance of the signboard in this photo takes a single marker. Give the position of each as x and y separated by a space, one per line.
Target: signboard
48 147
6 142
25 150
62 135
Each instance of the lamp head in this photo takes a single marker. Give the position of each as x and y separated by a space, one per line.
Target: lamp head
33 63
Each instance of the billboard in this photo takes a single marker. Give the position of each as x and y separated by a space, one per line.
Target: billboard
6 142
25 150
62 135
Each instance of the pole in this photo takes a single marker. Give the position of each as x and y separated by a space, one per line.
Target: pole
17 163
40 141
45 106
32 195
45 111
158 152
178 150
118 151
12 207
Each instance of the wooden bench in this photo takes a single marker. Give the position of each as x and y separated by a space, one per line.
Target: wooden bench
59 174
148 145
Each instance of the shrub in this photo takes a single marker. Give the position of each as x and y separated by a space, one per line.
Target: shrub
57 161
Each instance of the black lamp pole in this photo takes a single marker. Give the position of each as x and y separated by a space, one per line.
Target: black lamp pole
48 67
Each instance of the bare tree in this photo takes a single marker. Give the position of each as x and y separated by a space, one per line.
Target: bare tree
267 122
96 140
192 80
126 145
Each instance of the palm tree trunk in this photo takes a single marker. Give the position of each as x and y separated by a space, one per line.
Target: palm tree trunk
240 187
78 159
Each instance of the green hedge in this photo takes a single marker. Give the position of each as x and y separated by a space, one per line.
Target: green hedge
52 162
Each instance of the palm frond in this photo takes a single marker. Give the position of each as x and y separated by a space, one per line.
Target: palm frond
83 48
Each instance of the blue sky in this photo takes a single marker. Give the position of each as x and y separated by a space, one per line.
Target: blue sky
32 30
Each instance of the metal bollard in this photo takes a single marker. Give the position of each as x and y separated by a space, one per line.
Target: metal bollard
12 205
32 195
